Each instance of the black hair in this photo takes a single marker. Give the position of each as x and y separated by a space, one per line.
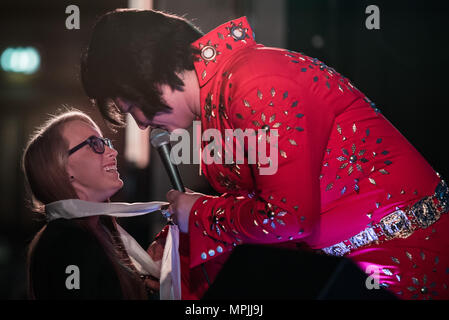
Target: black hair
131 53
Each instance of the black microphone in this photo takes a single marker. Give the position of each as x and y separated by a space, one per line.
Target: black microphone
160 139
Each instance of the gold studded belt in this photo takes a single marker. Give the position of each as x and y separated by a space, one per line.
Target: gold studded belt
398 224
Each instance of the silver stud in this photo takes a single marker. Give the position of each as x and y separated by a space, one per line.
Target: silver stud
395 260
203 256
387 272
208 53
211 252
409 255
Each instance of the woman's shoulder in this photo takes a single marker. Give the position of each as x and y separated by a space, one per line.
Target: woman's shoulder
63 233
67 240
63 246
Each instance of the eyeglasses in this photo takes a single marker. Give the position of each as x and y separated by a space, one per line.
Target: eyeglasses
96 143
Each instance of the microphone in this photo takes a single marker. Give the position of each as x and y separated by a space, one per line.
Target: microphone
160 139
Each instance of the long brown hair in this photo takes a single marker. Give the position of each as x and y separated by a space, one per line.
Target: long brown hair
44 164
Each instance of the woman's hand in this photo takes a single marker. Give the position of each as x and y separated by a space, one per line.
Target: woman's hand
155 251
180 206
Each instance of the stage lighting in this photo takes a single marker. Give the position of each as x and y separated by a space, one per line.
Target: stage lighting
20 60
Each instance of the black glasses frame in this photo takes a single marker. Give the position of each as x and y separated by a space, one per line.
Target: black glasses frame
96 143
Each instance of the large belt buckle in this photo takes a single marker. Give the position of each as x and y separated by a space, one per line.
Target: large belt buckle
425 212
442 194
396 225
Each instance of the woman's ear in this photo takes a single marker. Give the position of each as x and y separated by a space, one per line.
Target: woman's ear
70 172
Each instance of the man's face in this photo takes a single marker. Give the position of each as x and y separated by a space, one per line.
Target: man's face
180 115
127 106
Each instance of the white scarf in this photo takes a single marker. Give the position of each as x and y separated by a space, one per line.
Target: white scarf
168 270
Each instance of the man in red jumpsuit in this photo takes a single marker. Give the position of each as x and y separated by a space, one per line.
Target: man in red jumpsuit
347 182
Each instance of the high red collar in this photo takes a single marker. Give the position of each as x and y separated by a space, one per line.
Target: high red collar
220 43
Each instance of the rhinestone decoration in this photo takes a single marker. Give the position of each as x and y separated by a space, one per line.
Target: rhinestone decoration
365 237
425 212
237 32
209 52
272 217
222 110
339 250
355 158
227 182
217 220
396 225
372 105
209 108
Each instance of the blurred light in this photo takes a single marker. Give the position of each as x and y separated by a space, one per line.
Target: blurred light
137 144
317 41
140 4
137 141
20 60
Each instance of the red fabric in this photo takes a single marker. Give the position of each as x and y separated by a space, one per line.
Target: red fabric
341 164
193 280
412 268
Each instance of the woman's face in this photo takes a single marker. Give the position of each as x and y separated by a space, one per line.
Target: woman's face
95 176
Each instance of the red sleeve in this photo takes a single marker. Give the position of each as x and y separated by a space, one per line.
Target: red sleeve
286 204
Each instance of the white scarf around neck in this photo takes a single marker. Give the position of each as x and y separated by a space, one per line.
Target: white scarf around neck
168 270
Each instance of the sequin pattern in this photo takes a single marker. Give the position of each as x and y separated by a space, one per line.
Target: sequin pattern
337 155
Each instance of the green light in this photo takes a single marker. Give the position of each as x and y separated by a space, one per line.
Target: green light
20 60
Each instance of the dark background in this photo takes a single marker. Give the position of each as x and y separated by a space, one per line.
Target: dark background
402 67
